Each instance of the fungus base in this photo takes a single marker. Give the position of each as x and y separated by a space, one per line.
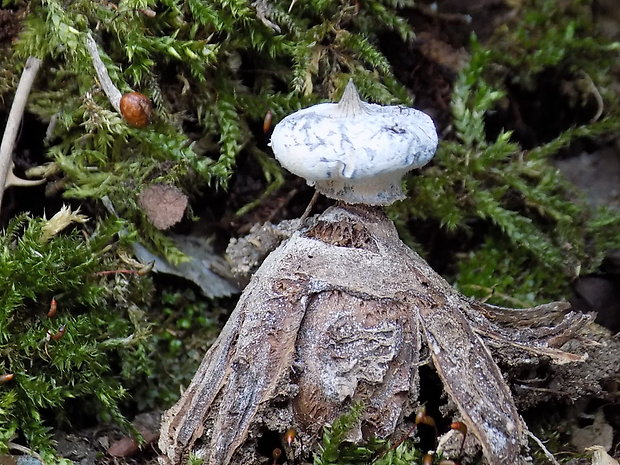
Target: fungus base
339 313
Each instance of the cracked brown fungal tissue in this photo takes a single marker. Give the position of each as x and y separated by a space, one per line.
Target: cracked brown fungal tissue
341 312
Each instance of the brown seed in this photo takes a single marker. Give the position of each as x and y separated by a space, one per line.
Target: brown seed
51 313
137 109
60 333
289 436
5 378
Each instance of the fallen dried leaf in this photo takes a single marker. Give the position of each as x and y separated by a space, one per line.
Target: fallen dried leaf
163 204
123 447
601 457
147 424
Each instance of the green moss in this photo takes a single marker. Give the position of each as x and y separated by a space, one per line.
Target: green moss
212 69
537 235
184 326
72 355
334 448
108 337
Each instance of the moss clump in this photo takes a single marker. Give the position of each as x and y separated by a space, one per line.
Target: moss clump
533 234
335 449
81 351
107 336
212 69
184 325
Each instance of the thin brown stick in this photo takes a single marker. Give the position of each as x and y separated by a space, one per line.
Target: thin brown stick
15 117
548 454
309 208
123 271
140 272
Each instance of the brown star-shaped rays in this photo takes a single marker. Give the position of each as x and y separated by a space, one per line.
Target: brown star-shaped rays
339 313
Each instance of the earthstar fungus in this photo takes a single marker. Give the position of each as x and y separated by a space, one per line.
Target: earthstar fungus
343 311
355 151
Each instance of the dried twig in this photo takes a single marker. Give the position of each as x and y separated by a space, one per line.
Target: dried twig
548 454
114 95
15 116
26 450
309 208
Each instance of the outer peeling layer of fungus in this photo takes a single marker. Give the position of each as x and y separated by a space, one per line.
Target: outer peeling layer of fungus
355 151
337 314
